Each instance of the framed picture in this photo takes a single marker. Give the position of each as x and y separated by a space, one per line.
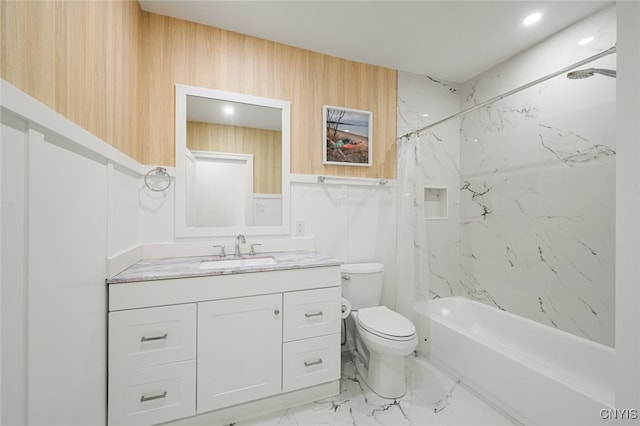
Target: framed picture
346 136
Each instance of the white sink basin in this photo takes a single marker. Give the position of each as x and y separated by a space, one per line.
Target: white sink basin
238 263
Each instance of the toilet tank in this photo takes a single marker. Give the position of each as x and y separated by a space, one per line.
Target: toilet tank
362 284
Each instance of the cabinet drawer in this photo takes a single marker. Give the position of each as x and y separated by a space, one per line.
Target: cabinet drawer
310 362
152 336
152 395
311 313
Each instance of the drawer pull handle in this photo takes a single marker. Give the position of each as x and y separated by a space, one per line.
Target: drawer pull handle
153 397
310 363
314 314
150 339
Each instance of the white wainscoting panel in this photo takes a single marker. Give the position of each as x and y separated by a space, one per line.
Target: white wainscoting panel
351 219
66 291
13 274
123 227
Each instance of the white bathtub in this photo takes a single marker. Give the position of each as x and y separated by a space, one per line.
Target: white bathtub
537 374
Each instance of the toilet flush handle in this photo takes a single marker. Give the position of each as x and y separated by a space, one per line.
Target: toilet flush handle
346 277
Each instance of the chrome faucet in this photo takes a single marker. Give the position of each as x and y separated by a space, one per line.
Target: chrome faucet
239 238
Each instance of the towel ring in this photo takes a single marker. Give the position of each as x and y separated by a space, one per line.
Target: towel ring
159 174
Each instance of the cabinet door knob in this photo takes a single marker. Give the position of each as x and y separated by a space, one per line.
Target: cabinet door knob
276 311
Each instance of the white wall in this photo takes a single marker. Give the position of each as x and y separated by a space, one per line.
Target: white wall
123 230
267 209
67 200
13 268
0 279
66 306
53 289
352 220
628 210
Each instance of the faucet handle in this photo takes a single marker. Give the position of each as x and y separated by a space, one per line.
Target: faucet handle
222 252
252 251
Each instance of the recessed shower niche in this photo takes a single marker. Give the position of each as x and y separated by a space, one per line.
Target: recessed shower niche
436 203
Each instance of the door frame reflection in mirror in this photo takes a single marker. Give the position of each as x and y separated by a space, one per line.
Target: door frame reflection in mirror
181 228
209 168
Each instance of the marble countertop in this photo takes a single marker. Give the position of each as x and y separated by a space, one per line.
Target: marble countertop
187 267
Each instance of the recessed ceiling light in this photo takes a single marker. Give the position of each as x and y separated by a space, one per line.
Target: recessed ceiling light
585 40
532 19
425 115
228 110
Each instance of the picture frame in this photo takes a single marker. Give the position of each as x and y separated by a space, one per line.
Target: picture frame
347 136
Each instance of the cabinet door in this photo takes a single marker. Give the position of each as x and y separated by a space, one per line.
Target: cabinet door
239 350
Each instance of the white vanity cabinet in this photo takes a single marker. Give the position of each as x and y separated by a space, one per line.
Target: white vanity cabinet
311 333
239 350
222 346
152 366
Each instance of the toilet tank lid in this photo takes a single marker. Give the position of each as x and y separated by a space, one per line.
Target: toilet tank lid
361 268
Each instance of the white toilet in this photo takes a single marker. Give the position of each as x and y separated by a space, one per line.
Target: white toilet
383 337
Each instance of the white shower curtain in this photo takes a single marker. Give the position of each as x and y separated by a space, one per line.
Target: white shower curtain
412 286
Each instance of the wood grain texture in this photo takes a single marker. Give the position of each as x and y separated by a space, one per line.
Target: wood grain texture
112 69
264 145
78 58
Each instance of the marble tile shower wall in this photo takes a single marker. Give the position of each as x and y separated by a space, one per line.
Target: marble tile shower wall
437 158
531 182
538 204
537 187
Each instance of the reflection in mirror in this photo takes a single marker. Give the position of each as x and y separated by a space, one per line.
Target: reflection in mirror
210 203
228 190
230 152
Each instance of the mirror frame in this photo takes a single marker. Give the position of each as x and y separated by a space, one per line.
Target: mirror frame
181 229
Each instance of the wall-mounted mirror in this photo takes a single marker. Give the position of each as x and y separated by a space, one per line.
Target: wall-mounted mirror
232 163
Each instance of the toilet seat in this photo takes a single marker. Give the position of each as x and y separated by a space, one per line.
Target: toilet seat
386 323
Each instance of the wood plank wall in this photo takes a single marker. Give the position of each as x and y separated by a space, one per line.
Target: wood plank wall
264 145
78 58
112 68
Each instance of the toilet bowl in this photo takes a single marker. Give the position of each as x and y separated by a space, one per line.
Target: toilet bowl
388 337
383 337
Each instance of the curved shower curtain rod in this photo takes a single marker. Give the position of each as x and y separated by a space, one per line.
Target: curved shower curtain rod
564 70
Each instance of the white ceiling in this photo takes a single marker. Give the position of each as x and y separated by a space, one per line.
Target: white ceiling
450 40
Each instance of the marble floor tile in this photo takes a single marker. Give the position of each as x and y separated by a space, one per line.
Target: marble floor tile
279 418
432 398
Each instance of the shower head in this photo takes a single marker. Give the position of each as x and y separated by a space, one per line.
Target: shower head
589 72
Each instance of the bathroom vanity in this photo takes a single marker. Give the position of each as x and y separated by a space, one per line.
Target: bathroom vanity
222 337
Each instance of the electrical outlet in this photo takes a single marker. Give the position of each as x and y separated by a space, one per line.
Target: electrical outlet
299 228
